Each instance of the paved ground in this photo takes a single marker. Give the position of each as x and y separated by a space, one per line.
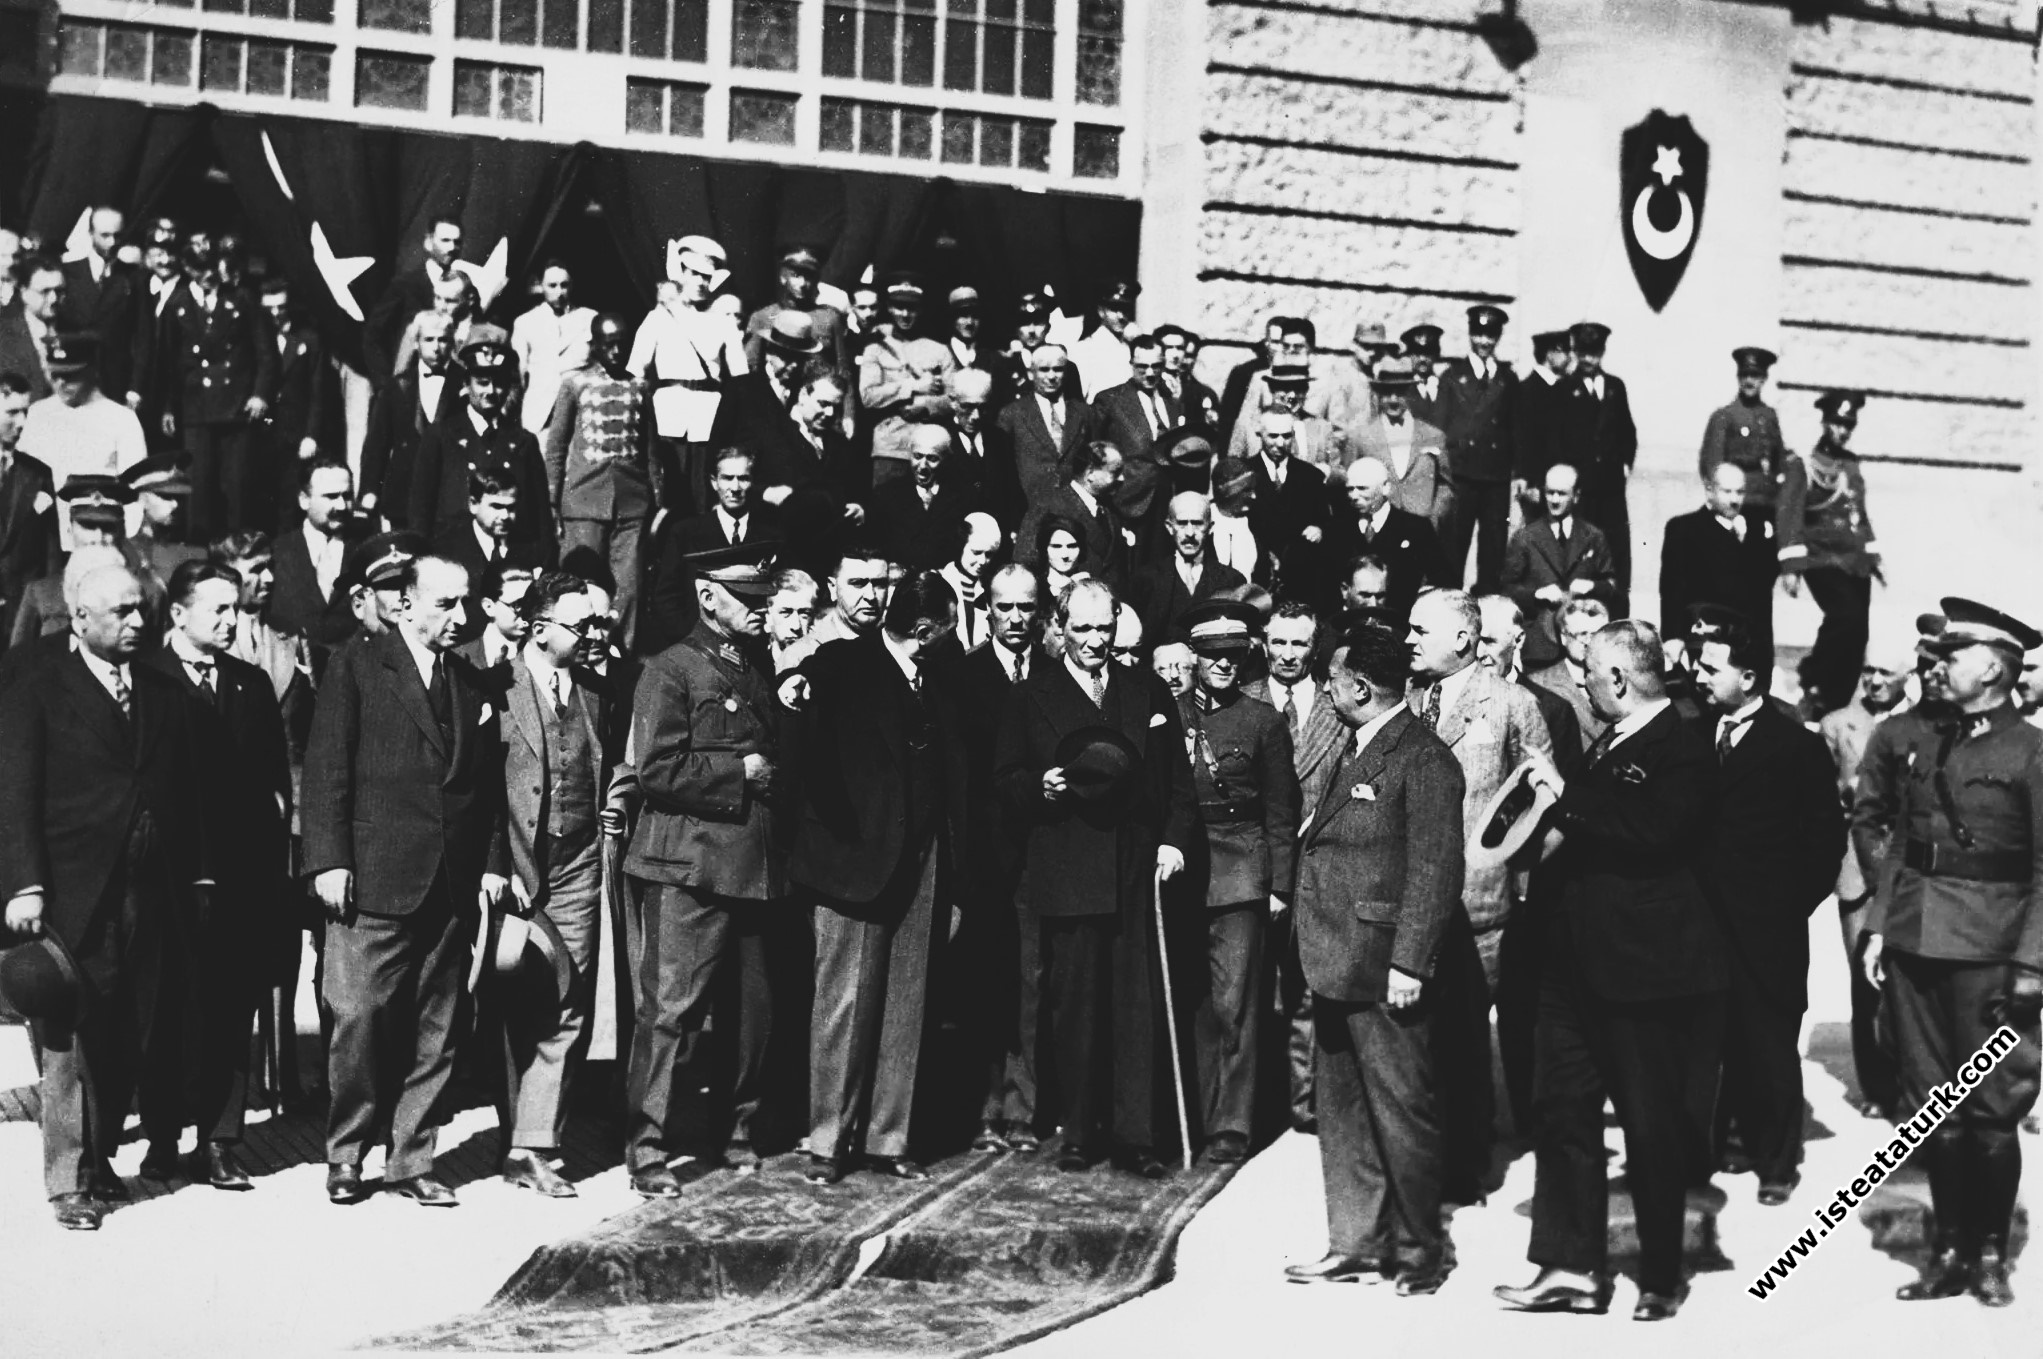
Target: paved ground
278 1272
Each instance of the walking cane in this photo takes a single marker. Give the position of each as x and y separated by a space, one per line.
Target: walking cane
1170 1017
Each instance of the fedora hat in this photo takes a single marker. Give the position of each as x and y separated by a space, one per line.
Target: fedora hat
1509 819
1100 764
793 333
42 980
509 943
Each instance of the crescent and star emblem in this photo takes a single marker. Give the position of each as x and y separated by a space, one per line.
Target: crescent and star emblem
1663 245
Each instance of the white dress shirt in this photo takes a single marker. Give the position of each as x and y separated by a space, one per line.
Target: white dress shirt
1302 696
326 551
1628 726
1734 525
1234 543
424 656
734 525
1397 437
430 387
1450 687
911 668
1086 498
1738 723
1367 731
1095 686
491 548
115 679
1015 663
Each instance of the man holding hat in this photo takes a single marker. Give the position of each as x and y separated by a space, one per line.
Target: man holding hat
1747 431
477 433
1422 350
1415 452
1825 539
602 481
78 430
1476 397
688 353
1602 443
1243 866
1955 933
901 378
799 267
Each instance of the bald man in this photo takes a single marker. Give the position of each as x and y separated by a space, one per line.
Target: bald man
1290 515
1373 527
1162 592
101 848
1045 426
920 518
1723 553
1553 560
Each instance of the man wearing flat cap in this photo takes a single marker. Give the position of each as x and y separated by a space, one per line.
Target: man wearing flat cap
901 378
1242 867
1825 540
799 267
1102 352
1602 442
1955 934
478 433
1747 431
1476 398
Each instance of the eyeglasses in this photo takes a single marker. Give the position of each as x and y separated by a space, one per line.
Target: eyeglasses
593 626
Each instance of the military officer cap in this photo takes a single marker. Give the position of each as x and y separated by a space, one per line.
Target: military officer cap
490 358
1371 335
1970 623
965 300
745 569
703 248
1120 294
802 260
1218 627
1423 340
101 488
904 286
1589 337
1287 377
1753 359
793 332
157 476
70 355
1393 374
1549 340
379 562
1484 319
1841 407
1034 306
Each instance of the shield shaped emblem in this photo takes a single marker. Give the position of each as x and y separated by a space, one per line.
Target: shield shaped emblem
1663 177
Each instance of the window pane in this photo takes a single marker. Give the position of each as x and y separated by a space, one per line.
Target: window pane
918 48
171 63
475 18
220 64
519 22
1099 70
402 16
649 28
765 35
840 40
312 74
270 9
562 25
390 80
78 49
760 116
918 134
957 138
518 95
606 25
314 12
876 129
685 106
226 6
998 71
472 85
1032 148
1096 152
1038 61
961 47
878 57
645 106
268 67
127 54
840 126
996 141
691 30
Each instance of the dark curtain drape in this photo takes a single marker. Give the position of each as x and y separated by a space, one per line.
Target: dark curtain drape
89 151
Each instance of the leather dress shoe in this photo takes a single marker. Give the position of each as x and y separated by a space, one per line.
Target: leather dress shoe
740 1156
107 1187
1990 1277
1426 1276
823 1170
1776 1192
160 1163
1947 1274
1023 1140
1306 1124
1558 1291
344 1184
1657 1306
1142 1162
1335 1269
531 1170
655 1181
76 1212
1227 1149
896 1167
427 1190
1073 1159
990 1138
222 1167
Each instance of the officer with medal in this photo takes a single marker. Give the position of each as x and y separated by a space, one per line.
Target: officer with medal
1248 803
1747 431
1955 935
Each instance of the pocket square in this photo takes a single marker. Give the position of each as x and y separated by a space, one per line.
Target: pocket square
1156 719
487 713
1364 792
43 502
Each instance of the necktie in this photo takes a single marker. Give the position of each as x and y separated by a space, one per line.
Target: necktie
206 670
1290 712
1725 730
915 679
1561 532
438 697
1056 423
122 698
1153 413
1432 715
1098 684
1738 527
560 693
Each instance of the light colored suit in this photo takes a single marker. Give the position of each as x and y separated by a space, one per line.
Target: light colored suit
548 348
1425 488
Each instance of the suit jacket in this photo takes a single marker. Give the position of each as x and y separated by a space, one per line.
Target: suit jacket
1407 545
1158 594
307 405
851 833
1041 464
212 361
1563 724
1598 436
106 307
390 795
19 353
529 783
1086 859
1317 748
996 834
1702 562
1635 923
992 470
1538 440
1477 417
461 545
80 780
28 535
391 440
1559 681
1106 551
1380 872
1011 380
1534 559
1426 489
667 611
297 607
439 482
812 515
1491 727
923 537
403 298
1118 418
1774 848
1280 518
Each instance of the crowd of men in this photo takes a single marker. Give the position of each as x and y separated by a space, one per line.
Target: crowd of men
854 677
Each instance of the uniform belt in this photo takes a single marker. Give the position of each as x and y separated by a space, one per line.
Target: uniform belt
1978 865
1231 811
692 384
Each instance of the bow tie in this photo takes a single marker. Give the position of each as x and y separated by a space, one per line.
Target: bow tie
1397 423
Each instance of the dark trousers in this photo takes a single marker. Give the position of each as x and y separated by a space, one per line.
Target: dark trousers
1005 981
1871 1060
1937 1014
1379 1130
1831 669
210 984
692 938
225 495
1482 511
1294 1012
89 1071
1519 956
545 1033
1640 1054
1102 988
394 984
1605 507
1762 1079
865 1030
619 543
1228 1027
1460 1033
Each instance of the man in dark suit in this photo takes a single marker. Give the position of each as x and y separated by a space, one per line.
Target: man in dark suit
1087 499
1631 995
1771 858
1476 402
28 513
407 294
1133 417
920 518
1378 881
403 804
305 418
400 413
1373 527
882 800
309 599
1094 849
489 539
160 283
26 331
737 516
102 832
1536 410
1602 442
811 474
1199 404
1012 375
1551 561
101 296
1160 594
222 960
1721 555
1045 427
980 451
479 431
1289 513
216 378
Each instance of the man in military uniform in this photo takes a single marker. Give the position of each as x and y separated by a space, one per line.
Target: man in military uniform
1955 933
1422 347
1476 395
705 735
1748 432
1826 540
798 269
901 379
1011 377
1600 438
479 432
1536 411
1248 803
218 378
